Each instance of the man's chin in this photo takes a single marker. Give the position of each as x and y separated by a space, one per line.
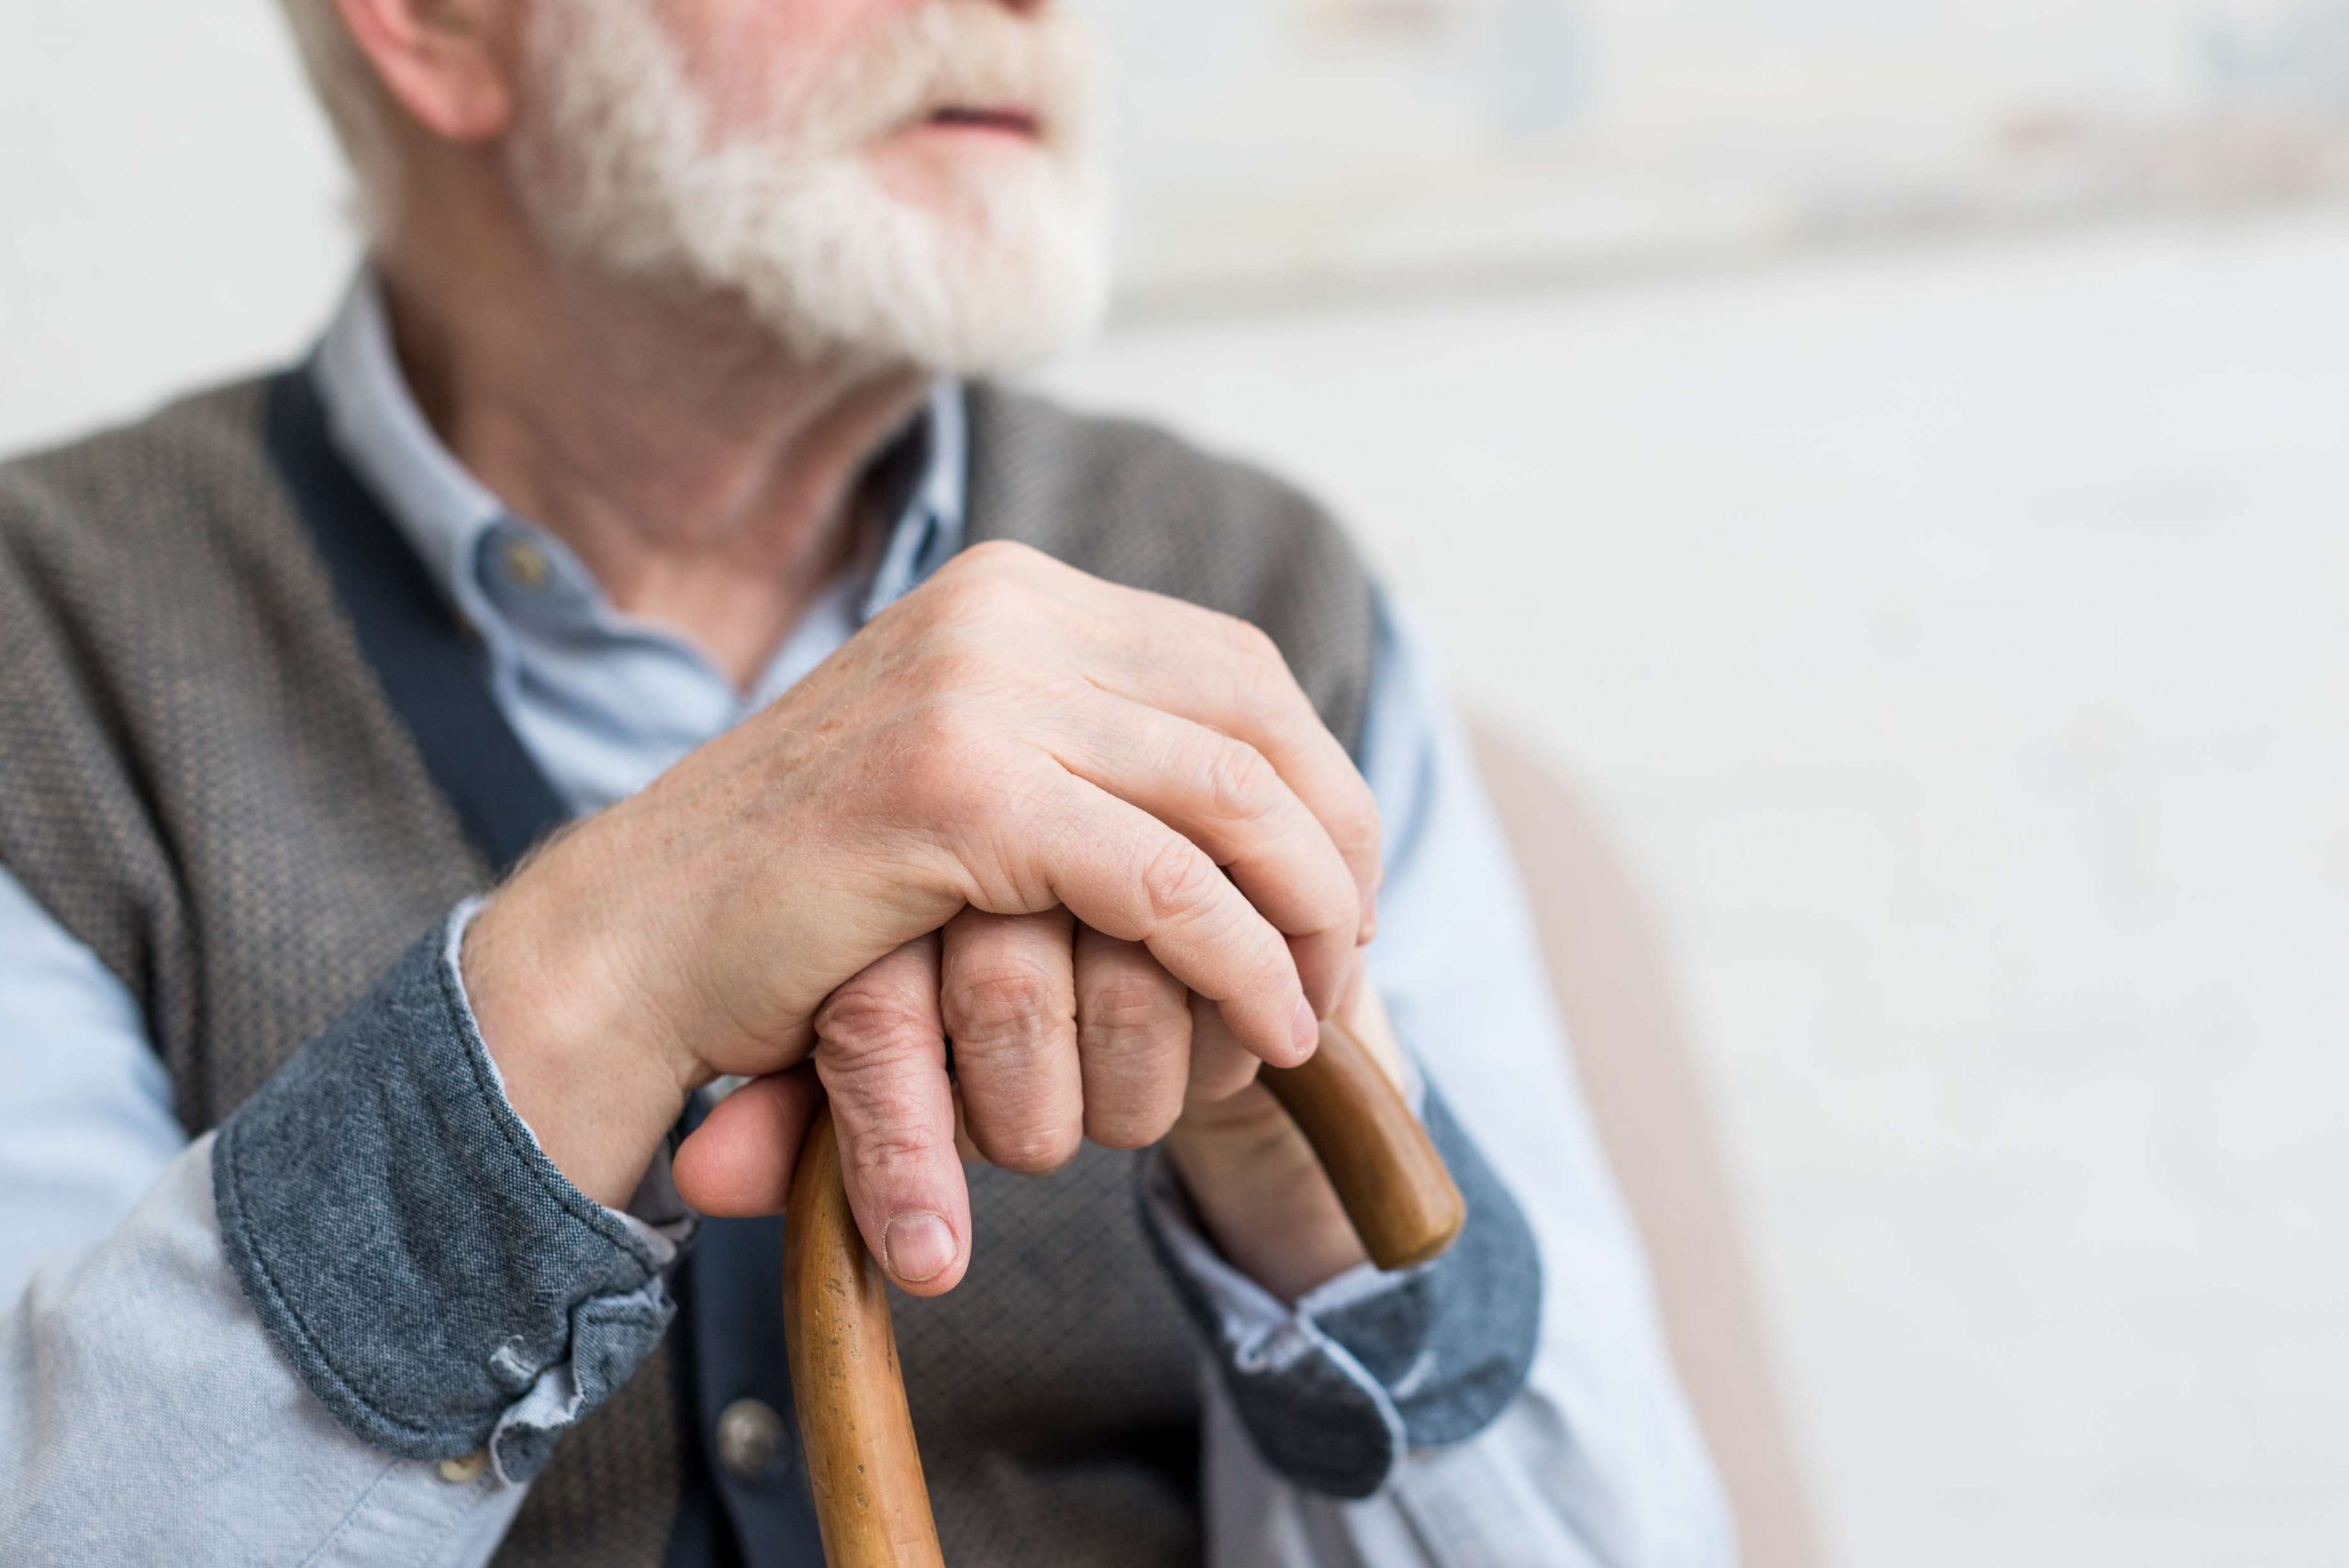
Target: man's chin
998 274
977 327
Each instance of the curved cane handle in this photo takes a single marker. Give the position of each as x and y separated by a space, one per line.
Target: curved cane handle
863 1465
1389 1177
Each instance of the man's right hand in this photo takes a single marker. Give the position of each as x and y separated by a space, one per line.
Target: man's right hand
1015 738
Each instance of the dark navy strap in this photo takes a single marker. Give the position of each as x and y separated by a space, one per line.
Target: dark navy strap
434 673
730 1355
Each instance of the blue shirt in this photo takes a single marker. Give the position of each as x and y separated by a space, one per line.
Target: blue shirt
131 1350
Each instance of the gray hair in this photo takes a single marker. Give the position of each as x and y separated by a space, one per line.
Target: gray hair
347 89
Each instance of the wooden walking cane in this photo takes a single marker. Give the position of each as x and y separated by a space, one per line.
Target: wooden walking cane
863 1466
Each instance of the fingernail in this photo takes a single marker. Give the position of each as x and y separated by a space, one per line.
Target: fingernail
919 1246
1307 1028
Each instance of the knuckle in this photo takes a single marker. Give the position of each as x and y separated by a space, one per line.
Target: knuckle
1134 1010
1135 1040
1274 970
984 582
1252 643
1005 1000
1239 782
963 599
997 556
862 1023
1358 830
1266 683
1175 881
892 1142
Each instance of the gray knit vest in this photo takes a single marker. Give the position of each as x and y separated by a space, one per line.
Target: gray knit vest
201 779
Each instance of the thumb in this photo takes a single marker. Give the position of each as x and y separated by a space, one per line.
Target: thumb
881 1053
739 1162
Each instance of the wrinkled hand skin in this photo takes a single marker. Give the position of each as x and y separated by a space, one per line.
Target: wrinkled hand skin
1097 838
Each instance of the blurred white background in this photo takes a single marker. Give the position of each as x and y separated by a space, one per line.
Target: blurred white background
1955 621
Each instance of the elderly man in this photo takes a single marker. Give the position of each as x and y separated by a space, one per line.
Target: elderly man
635 658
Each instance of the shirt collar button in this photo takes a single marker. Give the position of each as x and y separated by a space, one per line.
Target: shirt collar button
525 563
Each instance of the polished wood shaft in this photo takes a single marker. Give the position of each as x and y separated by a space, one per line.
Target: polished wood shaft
858 1436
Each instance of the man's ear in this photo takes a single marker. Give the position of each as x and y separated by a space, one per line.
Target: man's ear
450 63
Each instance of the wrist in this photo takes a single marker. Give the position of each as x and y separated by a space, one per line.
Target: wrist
1260 1192
597 1084
1261 1195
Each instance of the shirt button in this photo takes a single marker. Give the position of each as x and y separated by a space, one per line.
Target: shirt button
457 1472
750 1434
526 564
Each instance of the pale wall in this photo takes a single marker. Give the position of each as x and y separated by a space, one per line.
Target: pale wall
1962 641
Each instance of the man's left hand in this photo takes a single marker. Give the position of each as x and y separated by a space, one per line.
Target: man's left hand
1076 1035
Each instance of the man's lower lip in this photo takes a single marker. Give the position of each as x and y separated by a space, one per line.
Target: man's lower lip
999 125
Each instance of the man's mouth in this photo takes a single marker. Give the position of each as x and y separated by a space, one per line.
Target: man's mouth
1002 120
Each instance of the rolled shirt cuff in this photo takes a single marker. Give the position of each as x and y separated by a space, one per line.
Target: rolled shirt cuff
1336 1389
436 1282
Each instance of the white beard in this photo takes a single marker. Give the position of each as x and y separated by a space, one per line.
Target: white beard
617 166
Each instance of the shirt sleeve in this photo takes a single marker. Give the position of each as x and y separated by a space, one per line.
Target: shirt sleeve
147 1415
456 1292
1593 1457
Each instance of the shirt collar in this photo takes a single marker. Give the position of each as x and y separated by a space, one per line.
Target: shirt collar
441 509
446 514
